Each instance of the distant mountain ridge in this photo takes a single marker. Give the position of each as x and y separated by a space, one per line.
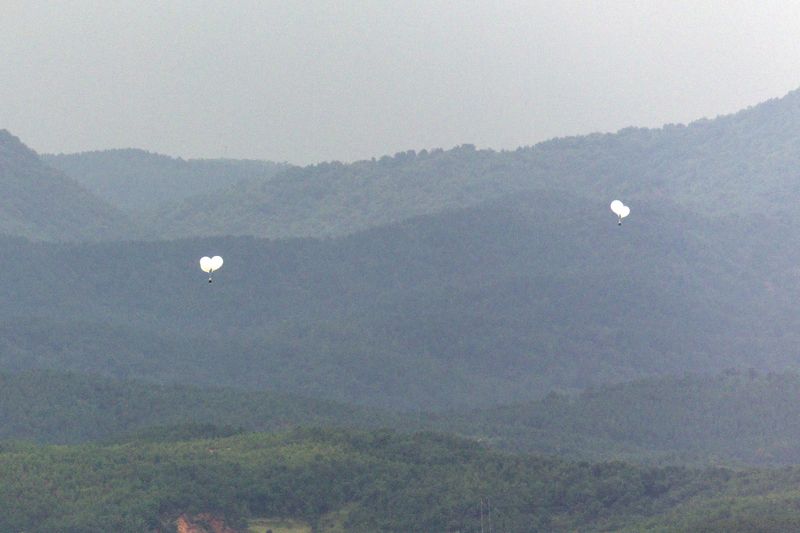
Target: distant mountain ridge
41 203
136 180
745 164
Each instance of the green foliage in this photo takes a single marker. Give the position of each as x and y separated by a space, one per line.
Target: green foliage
381 481
757 502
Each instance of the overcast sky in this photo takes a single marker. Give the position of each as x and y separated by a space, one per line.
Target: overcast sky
311 81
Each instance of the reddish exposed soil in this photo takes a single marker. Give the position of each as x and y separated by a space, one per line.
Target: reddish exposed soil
202 523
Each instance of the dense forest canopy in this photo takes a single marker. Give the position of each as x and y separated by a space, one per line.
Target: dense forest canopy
378 481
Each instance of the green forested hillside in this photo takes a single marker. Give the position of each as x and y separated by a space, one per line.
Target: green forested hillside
334 199
741 164
735 417
137 180
495 304
41 203
361 482
491 305
731 419
53 407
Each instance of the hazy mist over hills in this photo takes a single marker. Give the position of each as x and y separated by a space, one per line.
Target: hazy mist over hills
487 294
429 318
487 277
476 307
138 180
741 164
41 203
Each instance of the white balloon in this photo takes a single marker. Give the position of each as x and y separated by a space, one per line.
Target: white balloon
206 264
624 211
216 262
616 206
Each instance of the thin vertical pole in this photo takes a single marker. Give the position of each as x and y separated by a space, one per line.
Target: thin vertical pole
481 507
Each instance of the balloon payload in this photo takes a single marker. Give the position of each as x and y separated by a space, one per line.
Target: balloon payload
210 264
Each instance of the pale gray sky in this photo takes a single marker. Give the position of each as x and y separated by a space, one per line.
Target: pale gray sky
311 81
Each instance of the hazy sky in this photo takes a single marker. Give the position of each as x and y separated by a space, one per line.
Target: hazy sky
310 81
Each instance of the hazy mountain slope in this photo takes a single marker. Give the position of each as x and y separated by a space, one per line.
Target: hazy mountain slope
746 163
137 180
493 304
333 199
133 179
67 408
41 203
735 417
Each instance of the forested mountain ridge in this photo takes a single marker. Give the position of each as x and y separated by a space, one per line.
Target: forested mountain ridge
41 203
137 180
742 164
335 199
498 303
